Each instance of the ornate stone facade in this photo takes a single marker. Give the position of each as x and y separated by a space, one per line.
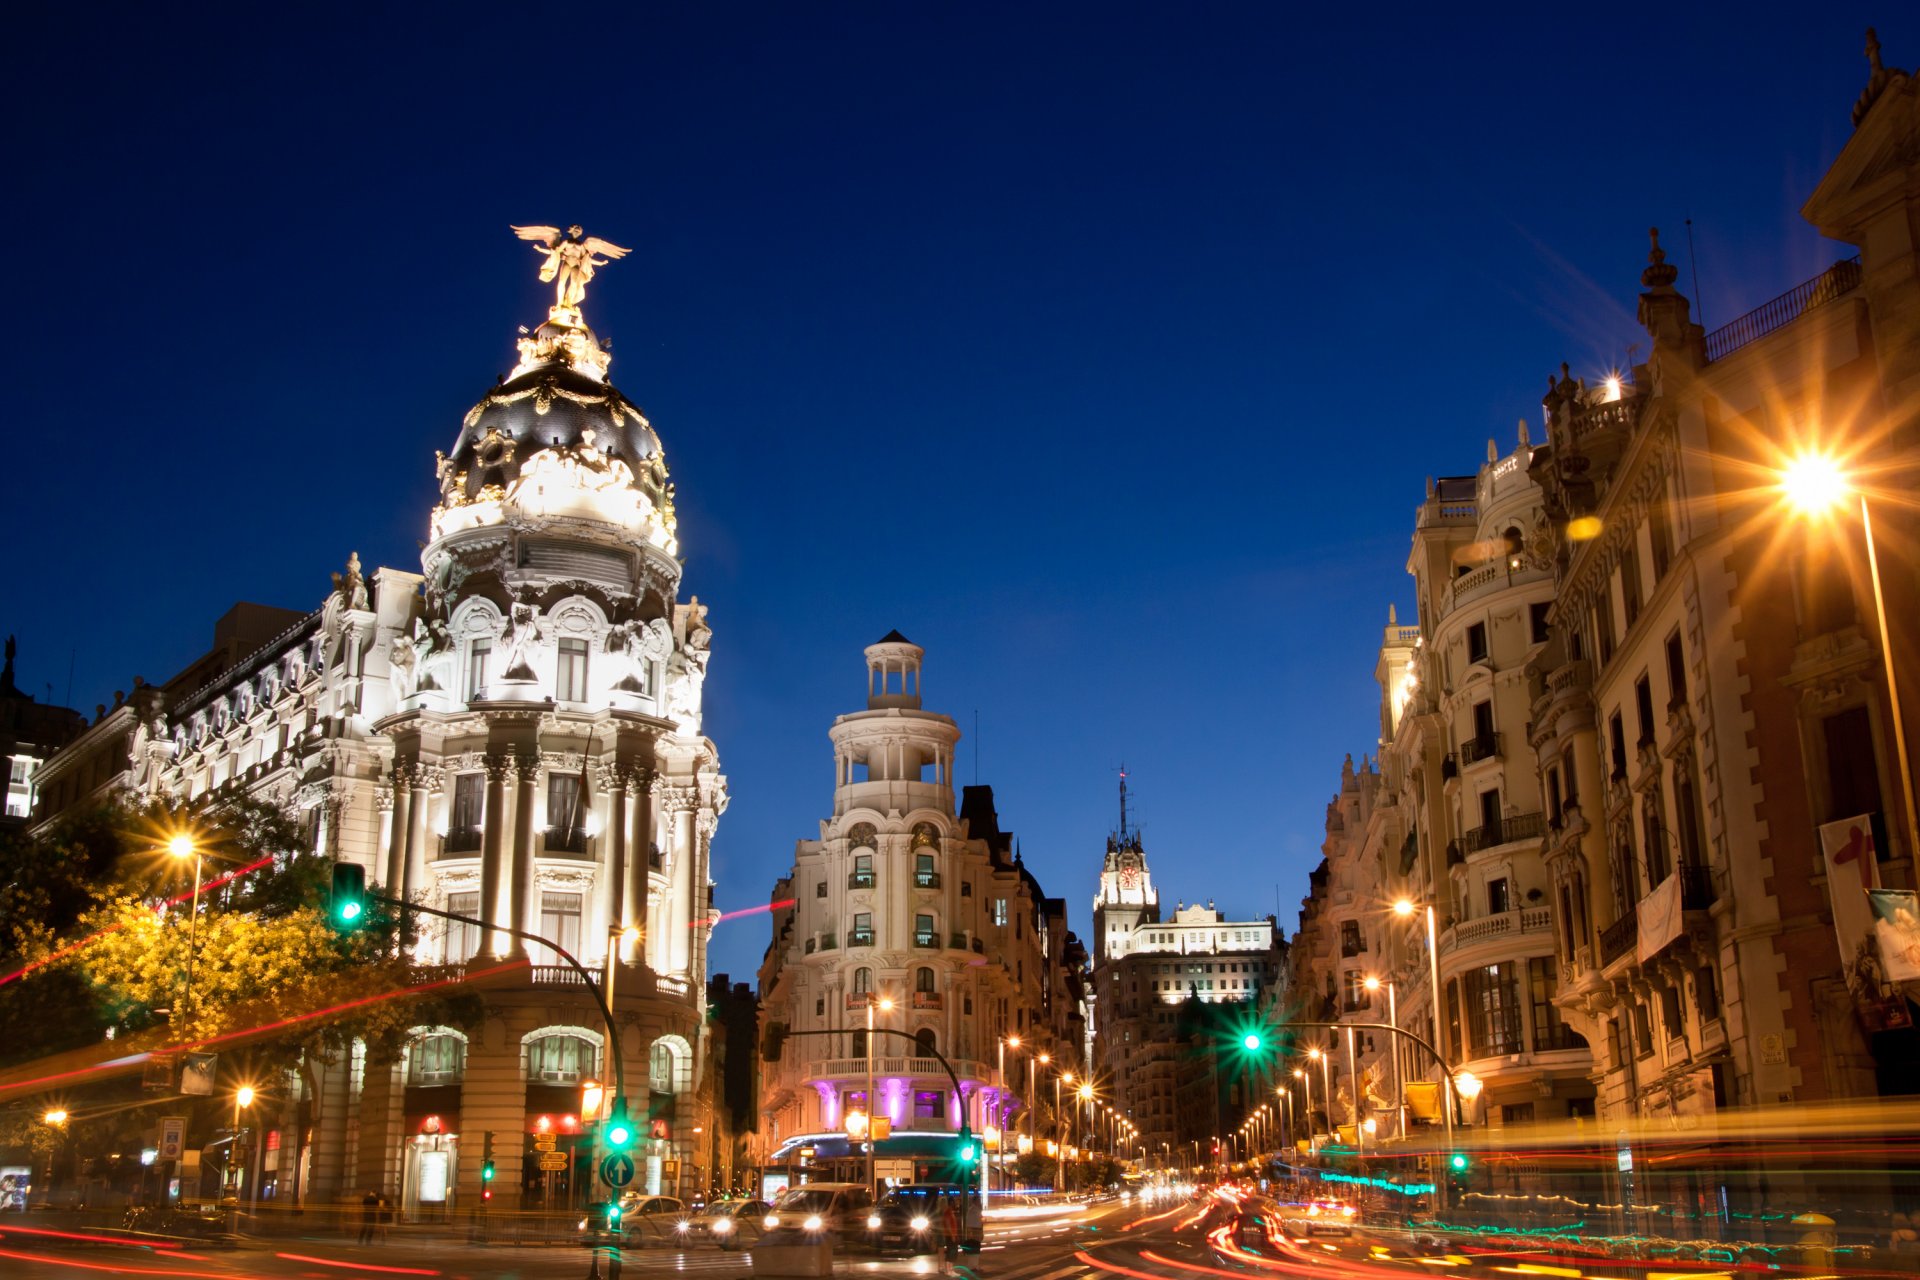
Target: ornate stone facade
904 899
513 733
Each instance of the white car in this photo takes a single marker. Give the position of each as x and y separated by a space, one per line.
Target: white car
1320 1218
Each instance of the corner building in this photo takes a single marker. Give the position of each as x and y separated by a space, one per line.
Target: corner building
513 734
903 898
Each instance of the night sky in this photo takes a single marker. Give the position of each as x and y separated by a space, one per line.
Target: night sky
1101 351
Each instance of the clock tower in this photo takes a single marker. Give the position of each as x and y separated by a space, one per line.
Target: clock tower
1126 898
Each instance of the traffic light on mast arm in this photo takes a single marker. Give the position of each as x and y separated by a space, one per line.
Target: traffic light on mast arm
347 904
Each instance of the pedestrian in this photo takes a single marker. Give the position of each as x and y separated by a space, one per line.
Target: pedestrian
369 1212
950 1228
386 1216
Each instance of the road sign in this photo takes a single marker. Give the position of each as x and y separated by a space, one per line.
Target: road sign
173 1136
545 1142
616 1170
552 1161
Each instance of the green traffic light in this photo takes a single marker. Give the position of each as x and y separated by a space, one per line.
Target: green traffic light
487 1172
349 911
619 1128
1252 1042
1457 1162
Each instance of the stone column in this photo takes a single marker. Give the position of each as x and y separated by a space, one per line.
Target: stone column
639 860
526 910
679 955
329 1156
396 802
613 854
427 781
499 768
382 1113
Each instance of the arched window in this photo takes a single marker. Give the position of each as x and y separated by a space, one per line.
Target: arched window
663 1064
923 1042
862 981
561 1059
436 1059
922 979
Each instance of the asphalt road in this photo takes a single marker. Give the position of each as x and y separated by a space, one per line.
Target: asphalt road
1109 1241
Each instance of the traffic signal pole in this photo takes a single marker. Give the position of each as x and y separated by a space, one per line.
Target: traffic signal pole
599 999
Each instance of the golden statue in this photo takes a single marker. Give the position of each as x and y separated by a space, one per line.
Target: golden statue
569 260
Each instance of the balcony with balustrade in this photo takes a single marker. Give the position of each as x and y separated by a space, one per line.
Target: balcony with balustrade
1516 829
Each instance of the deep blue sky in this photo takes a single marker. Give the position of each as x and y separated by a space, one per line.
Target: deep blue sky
1102 350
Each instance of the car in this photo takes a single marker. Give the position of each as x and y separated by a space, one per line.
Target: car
1319 1218
914 1218
725 1221
638 1212
820 1208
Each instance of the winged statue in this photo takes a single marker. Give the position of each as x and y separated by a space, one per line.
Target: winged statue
570 260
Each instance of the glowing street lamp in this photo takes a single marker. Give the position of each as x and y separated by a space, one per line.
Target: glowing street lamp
1405 908
182 845
1814 484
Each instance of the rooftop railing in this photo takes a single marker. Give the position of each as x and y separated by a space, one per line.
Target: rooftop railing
1842 278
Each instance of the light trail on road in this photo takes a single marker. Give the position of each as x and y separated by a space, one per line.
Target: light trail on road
358 1266
71 1264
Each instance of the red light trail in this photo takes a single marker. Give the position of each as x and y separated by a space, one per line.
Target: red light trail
137 1058
73 1264
72 947
744 911
14 1229
357 1266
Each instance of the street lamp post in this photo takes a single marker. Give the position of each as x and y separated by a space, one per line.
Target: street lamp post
1403 908
56 1120
886 1006
1393 1019
242 1097
1815 484
183 845
1061 1130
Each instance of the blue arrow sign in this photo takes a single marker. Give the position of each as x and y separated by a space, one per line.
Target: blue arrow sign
616 1170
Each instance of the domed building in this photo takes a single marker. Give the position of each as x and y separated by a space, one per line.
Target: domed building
511 735
922 917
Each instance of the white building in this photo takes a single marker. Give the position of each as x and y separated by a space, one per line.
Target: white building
512 733
1147 969
905 899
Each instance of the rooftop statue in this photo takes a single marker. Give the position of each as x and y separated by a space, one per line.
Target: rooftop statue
569 261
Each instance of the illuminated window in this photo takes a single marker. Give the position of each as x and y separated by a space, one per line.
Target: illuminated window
469 805
478 653
561 1059
560 921
570 672
436 1059
566 831
463 939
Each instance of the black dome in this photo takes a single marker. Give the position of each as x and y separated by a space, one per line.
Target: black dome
551 405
